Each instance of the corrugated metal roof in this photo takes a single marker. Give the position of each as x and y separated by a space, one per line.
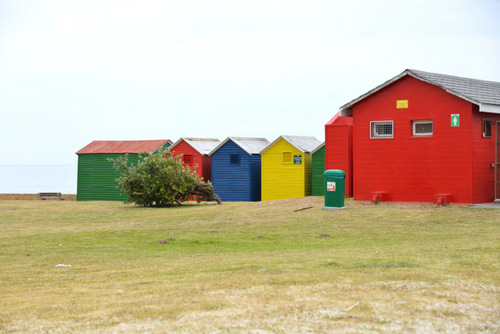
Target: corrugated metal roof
302 143
249 145
203 145
318 148
485 94
123 146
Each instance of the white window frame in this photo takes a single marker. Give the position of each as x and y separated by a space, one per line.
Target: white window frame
373 130
414 123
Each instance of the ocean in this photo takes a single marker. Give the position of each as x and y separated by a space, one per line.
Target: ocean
32 179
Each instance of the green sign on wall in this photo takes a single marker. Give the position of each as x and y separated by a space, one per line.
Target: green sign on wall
455 120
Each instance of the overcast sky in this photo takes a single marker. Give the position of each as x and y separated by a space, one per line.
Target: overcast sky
76 71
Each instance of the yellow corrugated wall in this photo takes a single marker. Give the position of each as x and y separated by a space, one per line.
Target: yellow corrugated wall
284 180
308 174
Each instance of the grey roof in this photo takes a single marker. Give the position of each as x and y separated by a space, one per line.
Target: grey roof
302 143
203 145
317 148
249 145
485 94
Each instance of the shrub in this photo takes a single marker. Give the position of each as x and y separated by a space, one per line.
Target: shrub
160 179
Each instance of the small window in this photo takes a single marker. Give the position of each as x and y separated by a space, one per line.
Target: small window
287 157
422 128
382 129
188 159
235 159
486 128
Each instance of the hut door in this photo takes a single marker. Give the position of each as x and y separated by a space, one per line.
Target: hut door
497 161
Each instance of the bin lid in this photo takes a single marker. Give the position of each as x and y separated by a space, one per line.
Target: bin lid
335 173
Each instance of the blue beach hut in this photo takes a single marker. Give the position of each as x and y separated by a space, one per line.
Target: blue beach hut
236 175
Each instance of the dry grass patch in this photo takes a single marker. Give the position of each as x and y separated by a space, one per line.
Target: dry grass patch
248 267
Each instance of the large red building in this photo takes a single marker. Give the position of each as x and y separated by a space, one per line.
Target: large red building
425 137
195 152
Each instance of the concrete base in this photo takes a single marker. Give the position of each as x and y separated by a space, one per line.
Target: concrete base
334 208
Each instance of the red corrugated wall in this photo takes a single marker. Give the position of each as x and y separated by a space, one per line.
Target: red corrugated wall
484 157
338 148
203 162
410 168
207 168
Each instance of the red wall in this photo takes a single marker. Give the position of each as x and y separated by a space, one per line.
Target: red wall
484 156
338 148
207 168
203 162
414 169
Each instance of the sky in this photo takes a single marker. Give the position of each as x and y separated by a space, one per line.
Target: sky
76 71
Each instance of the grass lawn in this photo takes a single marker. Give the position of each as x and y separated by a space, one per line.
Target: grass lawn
248 267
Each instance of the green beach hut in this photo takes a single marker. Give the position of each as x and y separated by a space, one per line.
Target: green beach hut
318 168
96 175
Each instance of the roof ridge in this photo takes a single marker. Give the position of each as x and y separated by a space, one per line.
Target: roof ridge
200 139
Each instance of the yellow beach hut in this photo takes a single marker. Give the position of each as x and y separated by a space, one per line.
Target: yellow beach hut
286 167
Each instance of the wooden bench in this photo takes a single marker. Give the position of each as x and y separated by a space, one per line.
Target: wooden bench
44 196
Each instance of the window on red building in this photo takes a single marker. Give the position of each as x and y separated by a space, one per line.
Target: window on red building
382 129
486 128
422 128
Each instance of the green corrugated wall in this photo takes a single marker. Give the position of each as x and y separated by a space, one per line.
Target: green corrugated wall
318 168
96 177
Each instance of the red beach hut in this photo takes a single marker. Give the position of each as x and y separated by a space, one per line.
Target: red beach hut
195 152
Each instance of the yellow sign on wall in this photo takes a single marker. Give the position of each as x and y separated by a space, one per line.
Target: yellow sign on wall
402 104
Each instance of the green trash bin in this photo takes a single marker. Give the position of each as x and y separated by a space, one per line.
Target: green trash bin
334 187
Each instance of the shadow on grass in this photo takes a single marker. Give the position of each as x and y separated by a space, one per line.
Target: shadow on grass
389 265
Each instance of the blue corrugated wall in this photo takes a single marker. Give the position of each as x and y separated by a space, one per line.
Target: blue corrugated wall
235 182
256 177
